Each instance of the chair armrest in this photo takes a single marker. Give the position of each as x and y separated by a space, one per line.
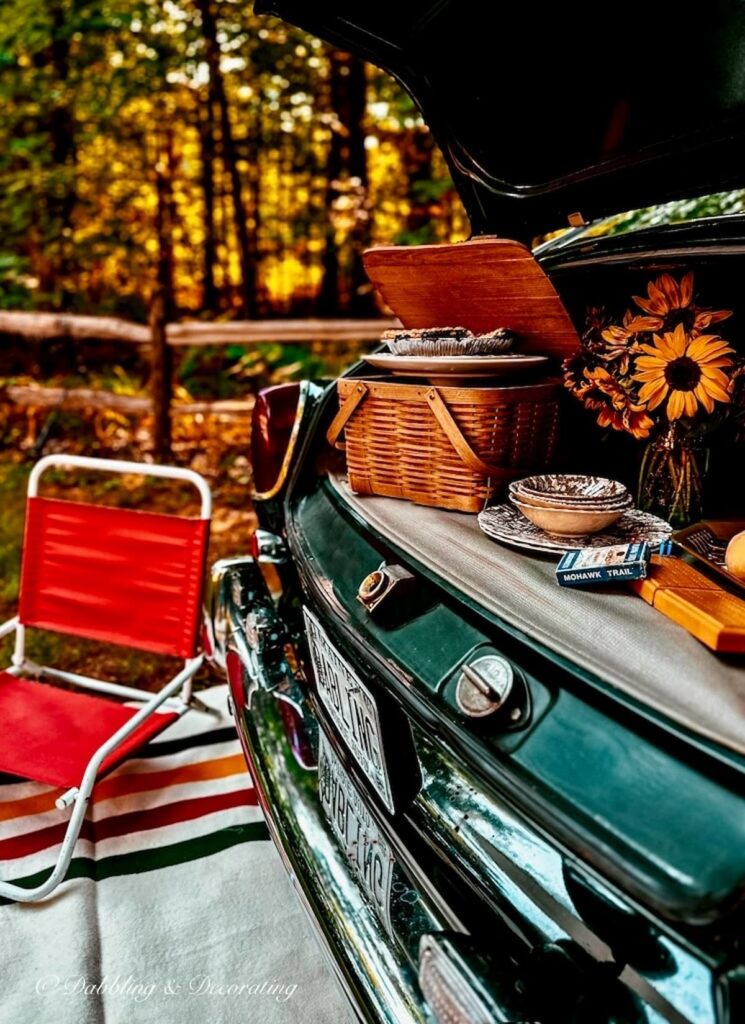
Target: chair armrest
9 627
160 697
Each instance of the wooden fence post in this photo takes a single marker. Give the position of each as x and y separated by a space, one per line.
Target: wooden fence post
161 378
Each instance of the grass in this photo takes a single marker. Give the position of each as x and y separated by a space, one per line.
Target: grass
232 524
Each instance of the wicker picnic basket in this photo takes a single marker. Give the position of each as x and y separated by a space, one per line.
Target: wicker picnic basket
450 447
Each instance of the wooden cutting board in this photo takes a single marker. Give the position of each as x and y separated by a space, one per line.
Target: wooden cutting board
698 604
480 284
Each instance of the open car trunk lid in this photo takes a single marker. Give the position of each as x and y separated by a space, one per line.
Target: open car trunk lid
548 110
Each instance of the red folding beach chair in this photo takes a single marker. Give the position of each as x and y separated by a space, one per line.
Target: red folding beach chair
119 575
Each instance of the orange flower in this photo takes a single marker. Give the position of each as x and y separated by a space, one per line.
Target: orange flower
618 341
607 386
669 303
684 369
614 404
632 420
574 374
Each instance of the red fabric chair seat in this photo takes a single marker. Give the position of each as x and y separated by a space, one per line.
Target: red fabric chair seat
49 735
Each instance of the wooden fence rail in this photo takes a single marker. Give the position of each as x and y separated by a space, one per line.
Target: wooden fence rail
158 339
29 397
41 326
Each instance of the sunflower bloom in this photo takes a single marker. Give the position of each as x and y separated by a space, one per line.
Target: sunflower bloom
687 371
633 420
617 343
614 405
604 388
668 304
574 374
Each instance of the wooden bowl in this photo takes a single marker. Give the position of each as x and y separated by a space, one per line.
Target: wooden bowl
569 522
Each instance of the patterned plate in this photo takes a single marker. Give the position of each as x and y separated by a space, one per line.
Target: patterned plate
505 524
457 367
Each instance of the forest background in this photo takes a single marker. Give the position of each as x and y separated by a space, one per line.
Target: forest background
228 166
238 162
189 156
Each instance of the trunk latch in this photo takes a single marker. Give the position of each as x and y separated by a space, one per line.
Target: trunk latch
378 586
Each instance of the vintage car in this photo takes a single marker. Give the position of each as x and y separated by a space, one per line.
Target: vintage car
500 800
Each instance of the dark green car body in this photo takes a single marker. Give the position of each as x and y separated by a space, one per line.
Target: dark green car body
582 861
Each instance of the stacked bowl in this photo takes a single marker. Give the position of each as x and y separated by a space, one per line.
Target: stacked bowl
570 505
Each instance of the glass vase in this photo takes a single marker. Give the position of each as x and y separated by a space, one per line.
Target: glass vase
671 479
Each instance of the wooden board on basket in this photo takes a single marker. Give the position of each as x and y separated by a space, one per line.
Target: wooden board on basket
481 284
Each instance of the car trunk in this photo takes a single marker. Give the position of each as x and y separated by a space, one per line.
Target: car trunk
613 635
628 763
608 811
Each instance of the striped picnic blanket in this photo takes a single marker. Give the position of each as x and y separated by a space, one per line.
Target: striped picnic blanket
176 906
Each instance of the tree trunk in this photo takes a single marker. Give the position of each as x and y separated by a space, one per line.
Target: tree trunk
207 145
417 148
253 149
162 307
246 258
61 202
161 377
164 222
362 302
172 171
330 298
346 173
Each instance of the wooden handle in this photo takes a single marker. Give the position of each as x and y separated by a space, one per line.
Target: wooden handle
458 441
341 419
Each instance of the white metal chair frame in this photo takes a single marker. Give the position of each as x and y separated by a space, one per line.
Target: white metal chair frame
169 695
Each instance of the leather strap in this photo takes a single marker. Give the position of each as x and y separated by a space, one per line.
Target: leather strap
339 421
458 441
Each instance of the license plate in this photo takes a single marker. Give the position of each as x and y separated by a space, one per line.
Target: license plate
364 848
351 707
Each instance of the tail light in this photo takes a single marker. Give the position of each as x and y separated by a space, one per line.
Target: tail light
275 426
462 987
297 734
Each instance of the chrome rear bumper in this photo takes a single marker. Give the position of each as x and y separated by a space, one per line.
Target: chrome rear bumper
246 637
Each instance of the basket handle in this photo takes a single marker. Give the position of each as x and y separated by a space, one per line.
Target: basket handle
342 417
455 436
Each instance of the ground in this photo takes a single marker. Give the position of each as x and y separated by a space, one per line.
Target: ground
233 521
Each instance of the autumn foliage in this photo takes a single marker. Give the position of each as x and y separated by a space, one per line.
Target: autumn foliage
234 161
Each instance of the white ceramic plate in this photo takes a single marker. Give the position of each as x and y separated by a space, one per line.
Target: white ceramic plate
504 523
455 367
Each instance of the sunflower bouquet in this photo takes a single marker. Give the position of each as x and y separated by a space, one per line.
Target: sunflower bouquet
662 373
